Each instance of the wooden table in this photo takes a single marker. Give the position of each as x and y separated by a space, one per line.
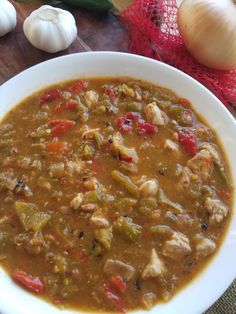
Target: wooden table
95 32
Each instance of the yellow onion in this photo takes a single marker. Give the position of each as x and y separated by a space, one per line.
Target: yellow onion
208 29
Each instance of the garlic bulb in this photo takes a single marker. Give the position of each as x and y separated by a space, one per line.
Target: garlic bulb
208 29
7 17
50 29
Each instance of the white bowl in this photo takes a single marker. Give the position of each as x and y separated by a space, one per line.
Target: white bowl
220 272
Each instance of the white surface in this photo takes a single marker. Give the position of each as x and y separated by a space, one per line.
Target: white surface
206 288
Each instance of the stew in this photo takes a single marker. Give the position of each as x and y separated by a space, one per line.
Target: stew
115 189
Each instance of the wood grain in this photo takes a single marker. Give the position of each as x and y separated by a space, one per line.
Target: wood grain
95 32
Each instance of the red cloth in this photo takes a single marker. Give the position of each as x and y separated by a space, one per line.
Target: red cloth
143 19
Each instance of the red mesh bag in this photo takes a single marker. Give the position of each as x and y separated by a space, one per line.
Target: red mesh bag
154 33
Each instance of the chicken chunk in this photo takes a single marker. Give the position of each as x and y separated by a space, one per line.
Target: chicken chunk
217 210
171 145
4 219
155 267
92 184
117 139
148 300
77 201
177 247
185 177
155 115
89 134
184 221
201 164
24 163
44 183
204 248
117 268
98 220
33 243
37 164
90 207
7 181
126 90
214 154
57 170
217 160
91 98
180 220
74 167
149 188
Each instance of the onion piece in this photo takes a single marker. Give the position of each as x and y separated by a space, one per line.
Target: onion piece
208 29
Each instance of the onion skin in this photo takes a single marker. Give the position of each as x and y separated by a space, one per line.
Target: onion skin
208 30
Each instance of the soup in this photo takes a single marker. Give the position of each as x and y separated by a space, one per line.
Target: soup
115 189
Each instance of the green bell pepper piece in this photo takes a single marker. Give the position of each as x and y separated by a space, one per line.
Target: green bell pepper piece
104 236
94 5
126 182
128 230
30 217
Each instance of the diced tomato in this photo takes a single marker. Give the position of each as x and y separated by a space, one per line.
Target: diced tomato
126 158
79 86
188 141
116 300
146 127
50 95
133 116
118 283
124 124
109 91
83 257
71 104
107 286
184 102
59 147
60 127
29 282
111 296
112 290
224 194
55 122
58 108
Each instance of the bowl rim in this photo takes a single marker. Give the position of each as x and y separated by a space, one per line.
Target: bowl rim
183 76
34 67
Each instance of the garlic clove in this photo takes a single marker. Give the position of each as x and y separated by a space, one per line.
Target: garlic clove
50 29
7 17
